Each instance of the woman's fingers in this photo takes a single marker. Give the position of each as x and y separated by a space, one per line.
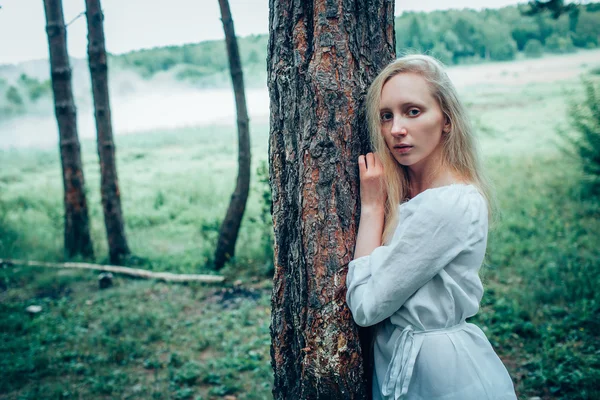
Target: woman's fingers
372 188
362 165
370 160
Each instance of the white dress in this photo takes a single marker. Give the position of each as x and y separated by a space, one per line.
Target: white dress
418 290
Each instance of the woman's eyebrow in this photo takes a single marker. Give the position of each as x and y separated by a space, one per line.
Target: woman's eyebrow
402 105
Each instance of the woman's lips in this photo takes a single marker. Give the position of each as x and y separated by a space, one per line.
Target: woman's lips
403 148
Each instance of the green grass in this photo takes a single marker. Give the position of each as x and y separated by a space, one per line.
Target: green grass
150 340
138 339
541 305
175 189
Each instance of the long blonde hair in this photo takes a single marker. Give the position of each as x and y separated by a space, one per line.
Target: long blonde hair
459 151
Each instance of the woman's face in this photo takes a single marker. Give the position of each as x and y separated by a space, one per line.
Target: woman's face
412 121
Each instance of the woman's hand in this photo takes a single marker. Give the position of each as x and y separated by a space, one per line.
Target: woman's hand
373 193
373 196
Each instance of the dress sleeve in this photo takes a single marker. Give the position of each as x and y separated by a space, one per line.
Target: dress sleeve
427 240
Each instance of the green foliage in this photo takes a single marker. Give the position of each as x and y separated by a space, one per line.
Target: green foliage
34 88
267 236
442 53
492 34
585 118
9 235
587 32
14 98
504 51
533 48
194 73
159 200
469 35
555 7
558 44
253 57
414 34
542 272
498 43
199 61
523 32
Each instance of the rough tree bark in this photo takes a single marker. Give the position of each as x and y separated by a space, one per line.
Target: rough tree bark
77 227
322 55
233 219
109 183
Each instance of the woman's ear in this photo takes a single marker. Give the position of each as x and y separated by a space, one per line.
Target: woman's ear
447 124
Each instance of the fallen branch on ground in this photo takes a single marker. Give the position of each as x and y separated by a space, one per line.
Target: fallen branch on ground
140 273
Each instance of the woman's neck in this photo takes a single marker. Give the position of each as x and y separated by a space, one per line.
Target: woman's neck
433 173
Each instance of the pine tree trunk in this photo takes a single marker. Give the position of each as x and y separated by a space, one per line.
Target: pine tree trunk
109 183
233 219
322 55
77 227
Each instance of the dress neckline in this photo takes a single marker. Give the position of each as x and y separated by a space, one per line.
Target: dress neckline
465 185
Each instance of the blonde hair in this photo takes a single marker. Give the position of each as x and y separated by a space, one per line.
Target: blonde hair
459 151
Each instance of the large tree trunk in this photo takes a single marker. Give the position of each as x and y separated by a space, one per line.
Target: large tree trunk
322 55
77 226
233 219
109 183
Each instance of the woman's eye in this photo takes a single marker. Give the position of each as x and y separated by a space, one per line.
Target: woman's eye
413 112
386 117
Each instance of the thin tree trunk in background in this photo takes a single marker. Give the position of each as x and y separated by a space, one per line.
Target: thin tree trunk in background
233 219
322 55
109 182
77 226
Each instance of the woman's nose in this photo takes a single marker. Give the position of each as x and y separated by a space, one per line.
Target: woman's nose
398 128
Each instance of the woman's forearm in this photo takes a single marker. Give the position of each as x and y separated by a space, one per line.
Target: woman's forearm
370 231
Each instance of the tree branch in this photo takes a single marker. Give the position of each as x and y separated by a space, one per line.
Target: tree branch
140 273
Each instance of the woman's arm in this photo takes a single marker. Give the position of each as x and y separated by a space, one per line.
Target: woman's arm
432 233
370 231
372 205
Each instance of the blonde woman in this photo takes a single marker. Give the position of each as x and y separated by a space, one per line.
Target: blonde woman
425 206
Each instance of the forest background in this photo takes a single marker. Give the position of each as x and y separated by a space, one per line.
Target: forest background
518 76
455 37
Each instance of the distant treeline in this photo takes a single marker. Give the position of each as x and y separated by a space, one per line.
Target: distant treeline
467 36
454 36
195 61
17 97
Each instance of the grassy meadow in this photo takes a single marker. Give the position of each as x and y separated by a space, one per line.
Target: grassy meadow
152 340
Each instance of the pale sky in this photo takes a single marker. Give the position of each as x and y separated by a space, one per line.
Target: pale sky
135 24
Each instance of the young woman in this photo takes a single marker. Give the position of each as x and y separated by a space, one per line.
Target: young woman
421 241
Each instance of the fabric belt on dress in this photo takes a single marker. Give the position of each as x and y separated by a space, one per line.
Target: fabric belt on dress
405 353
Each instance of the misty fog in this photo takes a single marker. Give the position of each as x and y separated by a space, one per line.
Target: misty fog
137 105
163 102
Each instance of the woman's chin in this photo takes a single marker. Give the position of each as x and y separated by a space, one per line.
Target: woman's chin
405 161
